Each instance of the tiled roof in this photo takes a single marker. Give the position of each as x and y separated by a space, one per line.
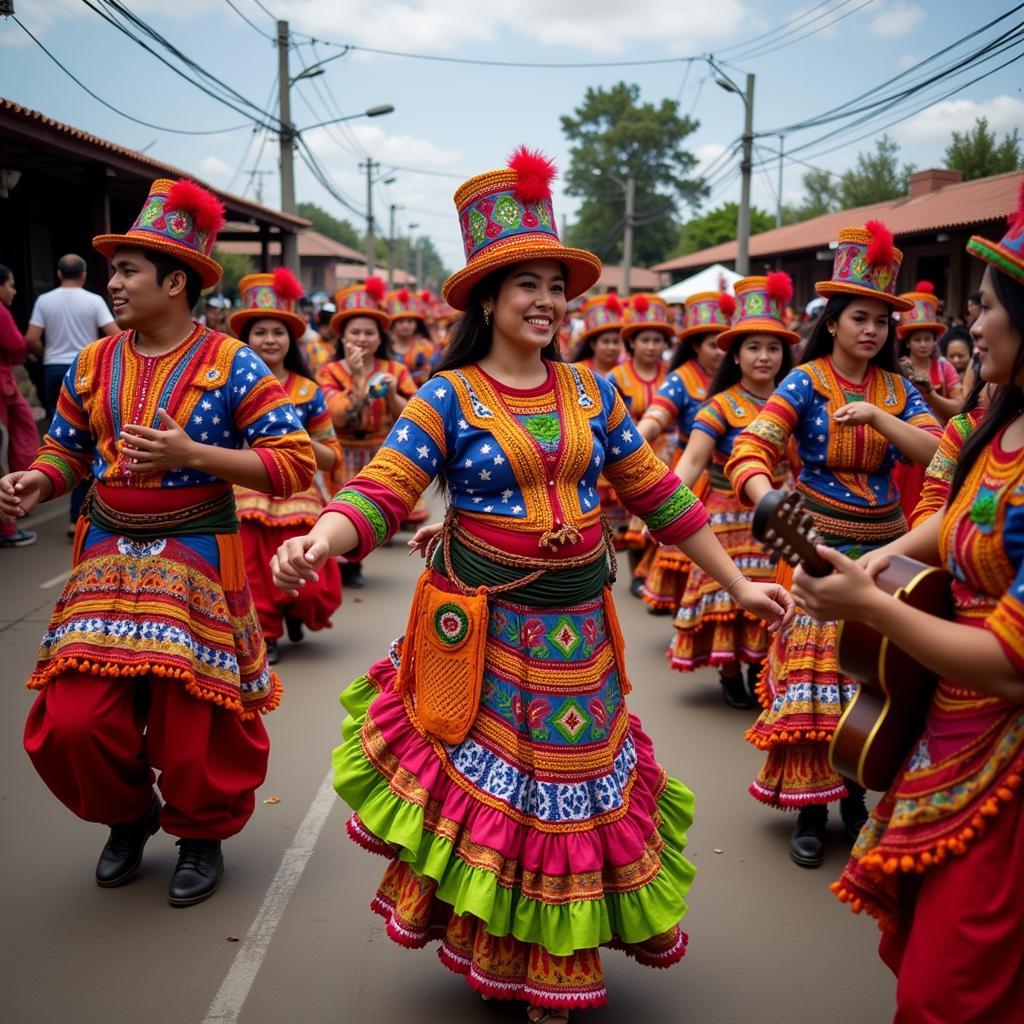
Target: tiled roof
955 206
311 243
640 280
14 116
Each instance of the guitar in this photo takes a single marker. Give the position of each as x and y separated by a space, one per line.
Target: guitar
880 725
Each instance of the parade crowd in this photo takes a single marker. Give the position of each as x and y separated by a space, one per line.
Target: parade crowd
231 474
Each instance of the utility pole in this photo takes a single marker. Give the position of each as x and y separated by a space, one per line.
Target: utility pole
743 221
289 240
370 241
391 249
627 237
419 264
778 210
257 177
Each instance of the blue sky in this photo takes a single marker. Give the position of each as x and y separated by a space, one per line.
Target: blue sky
457 119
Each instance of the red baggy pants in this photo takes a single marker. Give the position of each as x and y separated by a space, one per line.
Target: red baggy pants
96 740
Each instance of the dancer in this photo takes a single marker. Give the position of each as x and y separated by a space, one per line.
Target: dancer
366 390
599 347
852 416
695 361
940 863
154 659
710 627
270 326
411 343
933 375
15 413
540 827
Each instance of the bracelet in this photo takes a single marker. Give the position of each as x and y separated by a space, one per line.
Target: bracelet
741 576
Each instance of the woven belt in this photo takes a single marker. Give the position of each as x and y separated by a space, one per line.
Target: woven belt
213 516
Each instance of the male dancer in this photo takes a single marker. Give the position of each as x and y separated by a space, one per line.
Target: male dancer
154 657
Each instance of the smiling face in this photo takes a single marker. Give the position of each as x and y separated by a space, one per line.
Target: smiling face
269 339
135 296
861 329
996 340
530 305
759 359
360 334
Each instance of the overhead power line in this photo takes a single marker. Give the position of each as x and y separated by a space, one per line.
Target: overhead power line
250 23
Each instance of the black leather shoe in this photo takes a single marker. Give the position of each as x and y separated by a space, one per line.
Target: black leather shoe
853 810
807 845
273 652
122 855
197 875
295 631
352 575
734 693
636 586
753 674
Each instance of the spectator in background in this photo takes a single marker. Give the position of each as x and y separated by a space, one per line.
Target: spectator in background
973 307
215 313
957 347
62 323
15 413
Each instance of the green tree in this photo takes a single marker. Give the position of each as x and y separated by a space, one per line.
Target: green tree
875 176
822 191
717 226
978 154
235 266
615 135
340 230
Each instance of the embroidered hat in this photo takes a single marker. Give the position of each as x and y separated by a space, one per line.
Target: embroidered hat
707 313
600 314
179 218
647 311
761 309
404 304
866 263
1006 255
269 297
506 218
924 314
364 299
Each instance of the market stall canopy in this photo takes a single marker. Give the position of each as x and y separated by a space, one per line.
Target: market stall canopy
715 278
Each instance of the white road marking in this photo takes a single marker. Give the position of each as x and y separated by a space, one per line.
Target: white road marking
227 1003
59 578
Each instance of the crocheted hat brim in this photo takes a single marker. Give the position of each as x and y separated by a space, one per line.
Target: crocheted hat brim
593 332
584 267
689 332
830 288
727 337
393 317
347 314
649 325
1000 257
902 330
295 323
209 270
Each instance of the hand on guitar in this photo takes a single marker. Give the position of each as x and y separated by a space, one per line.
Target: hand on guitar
848 592
767 601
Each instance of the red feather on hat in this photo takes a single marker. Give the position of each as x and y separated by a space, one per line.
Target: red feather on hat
727 304
403 296
286 285
779 285
641 303
880 248
535 171
612 304
426 296
375 288
205 209
925 286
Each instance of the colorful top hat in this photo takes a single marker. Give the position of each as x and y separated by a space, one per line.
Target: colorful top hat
600 314
707 313
180 219
924 314
507 218
404 304
366 299
269 297
867 264
647 312
1006 255
761 309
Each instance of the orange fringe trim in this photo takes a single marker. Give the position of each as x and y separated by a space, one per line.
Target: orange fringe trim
719 617
264 520
58 666
611 617
788 736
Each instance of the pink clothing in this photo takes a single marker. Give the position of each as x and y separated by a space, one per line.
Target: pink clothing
15 412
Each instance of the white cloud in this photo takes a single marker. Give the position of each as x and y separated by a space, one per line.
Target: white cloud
907 61
938 122
214 167
896 19
706 156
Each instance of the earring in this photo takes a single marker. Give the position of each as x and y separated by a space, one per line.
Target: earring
487 316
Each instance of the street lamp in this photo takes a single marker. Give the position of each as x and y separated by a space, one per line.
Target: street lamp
629 188
385 108
746 165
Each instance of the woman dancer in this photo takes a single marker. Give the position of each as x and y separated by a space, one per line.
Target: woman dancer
710 627
933 375
940 863
366 390
599 347
695 361
852 416
411 343
500 844
269 325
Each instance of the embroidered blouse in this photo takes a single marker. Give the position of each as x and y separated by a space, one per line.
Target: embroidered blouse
938 476
214 386
521 467
418 359
680 396
369 426
848 468
636 392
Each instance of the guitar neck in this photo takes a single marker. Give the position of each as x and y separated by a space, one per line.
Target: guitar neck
782 524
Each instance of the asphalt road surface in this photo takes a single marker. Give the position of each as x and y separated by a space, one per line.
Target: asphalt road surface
289 938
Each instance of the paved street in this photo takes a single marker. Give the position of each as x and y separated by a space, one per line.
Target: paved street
768 943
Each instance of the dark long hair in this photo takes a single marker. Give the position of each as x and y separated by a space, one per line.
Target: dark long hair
1009 399
958 332
822 342
294 358
5 274
686 349
470 338
420 329
729 373
383 349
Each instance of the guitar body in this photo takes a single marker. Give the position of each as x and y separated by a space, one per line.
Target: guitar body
887 713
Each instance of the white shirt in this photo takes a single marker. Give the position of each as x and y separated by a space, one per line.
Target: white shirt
71 318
